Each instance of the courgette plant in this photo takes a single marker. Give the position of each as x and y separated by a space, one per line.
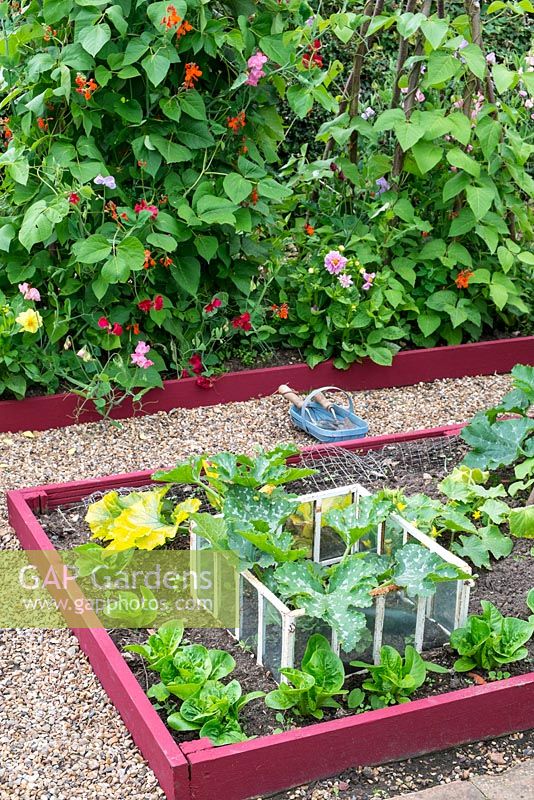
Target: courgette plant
509 442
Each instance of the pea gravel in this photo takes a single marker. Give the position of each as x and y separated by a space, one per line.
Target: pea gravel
61 739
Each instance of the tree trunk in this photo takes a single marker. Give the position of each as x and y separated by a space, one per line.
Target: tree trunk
401 58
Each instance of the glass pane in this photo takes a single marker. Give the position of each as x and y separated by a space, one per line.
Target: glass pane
399 621
364 649
248 617
392 536
304 628
272 638
301 524
444 606
332 546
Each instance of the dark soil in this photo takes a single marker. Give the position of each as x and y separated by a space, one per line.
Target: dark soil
270 358
416 466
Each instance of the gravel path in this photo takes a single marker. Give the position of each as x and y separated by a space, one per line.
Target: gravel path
61 739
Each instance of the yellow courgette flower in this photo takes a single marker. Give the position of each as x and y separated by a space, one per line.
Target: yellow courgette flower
208 469
267 489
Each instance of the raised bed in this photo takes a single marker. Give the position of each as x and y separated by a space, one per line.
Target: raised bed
272 763
409 367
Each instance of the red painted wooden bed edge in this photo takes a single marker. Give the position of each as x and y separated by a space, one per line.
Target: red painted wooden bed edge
409 367
274 763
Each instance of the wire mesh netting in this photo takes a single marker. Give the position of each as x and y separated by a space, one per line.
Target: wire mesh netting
338 466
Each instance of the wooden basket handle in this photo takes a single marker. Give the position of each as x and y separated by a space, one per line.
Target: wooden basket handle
290 395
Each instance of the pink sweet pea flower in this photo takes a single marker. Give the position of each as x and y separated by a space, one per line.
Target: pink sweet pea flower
368 278
255 66
29 293
108 181
144 206
139 358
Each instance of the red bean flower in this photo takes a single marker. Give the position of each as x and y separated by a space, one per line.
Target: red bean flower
204 382
213 305
195 363
242 321
112 328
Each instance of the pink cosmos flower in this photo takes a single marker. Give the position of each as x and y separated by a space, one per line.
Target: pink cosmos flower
29 292
139 358
345 280
334 262
368 278
255 66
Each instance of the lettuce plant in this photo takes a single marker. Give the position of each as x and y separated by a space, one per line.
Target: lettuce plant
314 686
192 666
93 559
127 611
161 647
214 711
395 678
489 640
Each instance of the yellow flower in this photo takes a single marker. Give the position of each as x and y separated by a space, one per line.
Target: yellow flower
267 489
434 532
30 320
477 514
208 469
401 506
